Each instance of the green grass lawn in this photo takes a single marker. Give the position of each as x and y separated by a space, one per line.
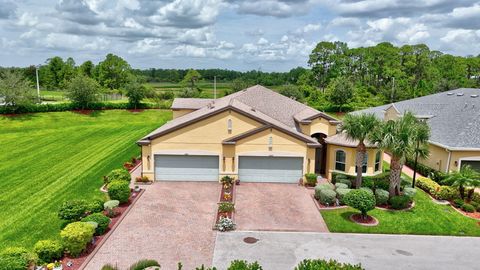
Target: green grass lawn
47 158
425 218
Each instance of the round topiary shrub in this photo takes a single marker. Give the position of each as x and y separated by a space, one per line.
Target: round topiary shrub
16 258
119 190
321 187
340 186
73 210
311 179
117 174
381 196
346 182
361 200
327 197
399 202
369 190
76 236
341 192
468 208
409 192
102 221
48 250
96 206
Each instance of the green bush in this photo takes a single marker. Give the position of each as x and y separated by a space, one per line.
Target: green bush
226 207
476 197
361 200
96 206
341 192
308 264
119 190
428 185
143 264
409 192
458 203
117 174
73 210
340 177
327 197
244 265
76 236
368 183
311 179
399 202
435 175
381 196
475 205
367 189
109 267
468 208
340 186
102 221
48 250
16 258
346 182
447 193
321 187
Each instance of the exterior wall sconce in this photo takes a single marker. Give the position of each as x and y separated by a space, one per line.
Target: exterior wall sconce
229 125
148 162
270 143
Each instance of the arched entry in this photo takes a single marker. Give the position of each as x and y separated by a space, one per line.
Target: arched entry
320 153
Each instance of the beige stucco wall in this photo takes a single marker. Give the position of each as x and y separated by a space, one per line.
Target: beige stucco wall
319 125
350 160
390 114
438 158
178 113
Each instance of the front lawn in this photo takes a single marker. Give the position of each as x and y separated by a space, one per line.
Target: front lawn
427 218
46 158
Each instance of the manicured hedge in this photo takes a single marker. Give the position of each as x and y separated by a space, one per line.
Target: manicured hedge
428 185
321 187
341 185
426 171
409 192
48 250
399 202
447 193
361 200
381 196
119 190
76 236
102 221
117 174
341 192
327 197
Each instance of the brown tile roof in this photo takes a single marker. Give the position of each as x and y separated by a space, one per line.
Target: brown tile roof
342 140
257 102
190 103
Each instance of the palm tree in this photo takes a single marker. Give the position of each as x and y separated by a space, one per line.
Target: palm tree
421 134
400 138
466 178
358 127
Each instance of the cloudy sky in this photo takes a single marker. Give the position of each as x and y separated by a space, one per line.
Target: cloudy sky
271 35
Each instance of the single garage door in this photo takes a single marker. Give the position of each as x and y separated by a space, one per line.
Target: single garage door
186 168
475 164
270 169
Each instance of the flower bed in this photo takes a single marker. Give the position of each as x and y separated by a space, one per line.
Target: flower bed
225 215
131 165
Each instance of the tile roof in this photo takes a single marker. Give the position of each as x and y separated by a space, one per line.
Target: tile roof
453 116
190 103
342 140
257 102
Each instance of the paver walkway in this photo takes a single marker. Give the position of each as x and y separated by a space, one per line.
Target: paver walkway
276 207
406 170
171 222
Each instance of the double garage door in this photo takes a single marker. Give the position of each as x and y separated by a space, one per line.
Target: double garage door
474 164
250 168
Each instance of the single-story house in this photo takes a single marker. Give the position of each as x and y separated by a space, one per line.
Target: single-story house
454 120
255 135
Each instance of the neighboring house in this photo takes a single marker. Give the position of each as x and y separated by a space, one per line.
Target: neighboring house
454 120
255 135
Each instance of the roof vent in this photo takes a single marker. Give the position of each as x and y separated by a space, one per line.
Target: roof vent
473 96
459 94
449 94
253 109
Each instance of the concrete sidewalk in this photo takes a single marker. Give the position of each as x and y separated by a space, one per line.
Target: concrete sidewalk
283 250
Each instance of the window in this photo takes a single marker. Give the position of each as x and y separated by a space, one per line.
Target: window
364 164
229 125
377 160
340 158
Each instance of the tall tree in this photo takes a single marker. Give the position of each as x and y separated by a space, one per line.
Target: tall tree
359 127
340 92
191 78
15 89
136 92
113 72
87 69
83 91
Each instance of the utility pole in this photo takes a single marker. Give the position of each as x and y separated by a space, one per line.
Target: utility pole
214 87
38 83
393 90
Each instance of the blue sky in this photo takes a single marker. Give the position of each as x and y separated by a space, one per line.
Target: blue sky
271 35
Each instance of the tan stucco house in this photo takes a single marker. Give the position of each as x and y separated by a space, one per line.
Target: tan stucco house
255 135
454 120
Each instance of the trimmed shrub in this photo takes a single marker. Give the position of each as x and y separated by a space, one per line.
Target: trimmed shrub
321 187
244 265
341 192
119 190
346 182
435 175
101 220
16 258
458 203
309 264
409 192
109 267
110 207
117 174
96 206
327 197
340 186
476 197
76 236
340 176
361 200
367 189
226 207
399 202
447 193
73 210
48 250
475 205
311 179
143 264
468 208
368 183
381 196
428 185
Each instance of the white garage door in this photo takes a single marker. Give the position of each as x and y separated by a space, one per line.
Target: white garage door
475 164
186 168
270 169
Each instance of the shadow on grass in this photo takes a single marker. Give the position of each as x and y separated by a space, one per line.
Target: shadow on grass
19 117
91 113
346 215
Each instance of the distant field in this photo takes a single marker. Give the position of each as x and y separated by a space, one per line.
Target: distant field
206 87
47 158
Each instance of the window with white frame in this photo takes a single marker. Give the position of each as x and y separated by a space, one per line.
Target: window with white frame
340 160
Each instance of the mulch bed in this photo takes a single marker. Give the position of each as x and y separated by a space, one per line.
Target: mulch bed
136 110
368 221
98 240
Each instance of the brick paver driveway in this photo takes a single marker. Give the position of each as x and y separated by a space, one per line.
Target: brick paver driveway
171 222
276 207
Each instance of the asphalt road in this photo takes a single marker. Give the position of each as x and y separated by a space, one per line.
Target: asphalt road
283 250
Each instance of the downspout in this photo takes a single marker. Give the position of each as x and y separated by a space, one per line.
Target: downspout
447 168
